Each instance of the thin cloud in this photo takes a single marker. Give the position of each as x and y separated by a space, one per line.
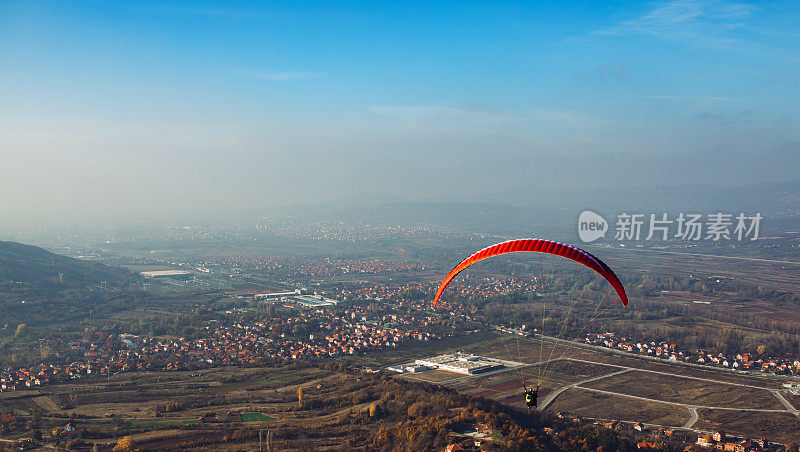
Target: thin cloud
713 24
771 89
687 19
709 23
736 118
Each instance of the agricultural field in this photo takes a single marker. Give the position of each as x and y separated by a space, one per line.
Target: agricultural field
225 408
778 274
687 390
594 383
298 406
433 376
604 406
200 408
781 427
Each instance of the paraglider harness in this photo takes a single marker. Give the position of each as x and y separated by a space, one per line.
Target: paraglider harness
531 396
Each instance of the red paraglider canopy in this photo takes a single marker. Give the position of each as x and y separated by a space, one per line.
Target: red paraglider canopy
538 246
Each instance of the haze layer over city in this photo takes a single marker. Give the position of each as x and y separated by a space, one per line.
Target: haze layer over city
125 111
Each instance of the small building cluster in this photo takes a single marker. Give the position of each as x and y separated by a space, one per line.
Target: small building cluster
292 266
308 334
668 351
721 441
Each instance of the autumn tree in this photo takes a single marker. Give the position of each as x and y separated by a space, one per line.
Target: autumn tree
126 444
418 409
22 330
375 410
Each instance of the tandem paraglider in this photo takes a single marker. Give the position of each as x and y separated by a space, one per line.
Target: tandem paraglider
571 252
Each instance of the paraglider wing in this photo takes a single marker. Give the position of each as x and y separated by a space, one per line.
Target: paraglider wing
538 246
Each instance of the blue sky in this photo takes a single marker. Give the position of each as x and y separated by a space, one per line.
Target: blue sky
106 106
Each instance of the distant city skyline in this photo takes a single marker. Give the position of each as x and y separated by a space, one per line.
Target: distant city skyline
138 110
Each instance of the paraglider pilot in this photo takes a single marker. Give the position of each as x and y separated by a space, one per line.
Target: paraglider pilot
531 396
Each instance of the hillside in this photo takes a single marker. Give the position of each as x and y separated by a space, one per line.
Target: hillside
31 267
301 407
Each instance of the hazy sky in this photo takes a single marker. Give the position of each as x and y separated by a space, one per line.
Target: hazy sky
113 109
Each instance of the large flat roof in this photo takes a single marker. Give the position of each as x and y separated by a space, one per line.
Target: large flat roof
460 362
156 273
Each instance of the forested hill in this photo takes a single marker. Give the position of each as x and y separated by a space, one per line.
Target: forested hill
30 267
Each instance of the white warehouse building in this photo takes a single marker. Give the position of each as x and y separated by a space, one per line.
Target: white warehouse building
461 363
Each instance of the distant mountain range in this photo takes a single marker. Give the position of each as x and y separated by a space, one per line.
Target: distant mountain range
547 210
38 268
764 197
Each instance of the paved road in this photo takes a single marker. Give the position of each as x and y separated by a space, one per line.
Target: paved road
691 408
552 396
670 374
661 361
774 392
646 424
714 256
686 405
693 416
785 402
